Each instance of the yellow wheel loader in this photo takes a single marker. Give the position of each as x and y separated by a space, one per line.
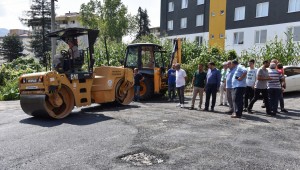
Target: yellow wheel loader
74 82
148 58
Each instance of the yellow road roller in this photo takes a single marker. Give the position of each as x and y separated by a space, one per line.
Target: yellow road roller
74 81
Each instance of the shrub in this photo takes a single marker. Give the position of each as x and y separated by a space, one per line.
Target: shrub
10 73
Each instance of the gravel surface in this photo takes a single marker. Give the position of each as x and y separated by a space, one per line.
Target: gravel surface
151 135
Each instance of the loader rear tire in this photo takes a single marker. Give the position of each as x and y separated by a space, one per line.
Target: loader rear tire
147 89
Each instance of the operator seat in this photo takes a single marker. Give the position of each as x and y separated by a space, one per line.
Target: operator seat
79 61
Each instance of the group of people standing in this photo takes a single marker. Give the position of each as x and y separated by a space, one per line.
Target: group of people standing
239 87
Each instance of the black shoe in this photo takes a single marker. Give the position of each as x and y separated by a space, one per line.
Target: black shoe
263 106
284 110
249 111
221 104
205 109
271 114
212 109
245 110
191 108
234 116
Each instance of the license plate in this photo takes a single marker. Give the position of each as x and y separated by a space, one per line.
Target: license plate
31 87
31 80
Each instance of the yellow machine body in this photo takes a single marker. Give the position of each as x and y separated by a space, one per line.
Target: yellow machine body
55 95
149 59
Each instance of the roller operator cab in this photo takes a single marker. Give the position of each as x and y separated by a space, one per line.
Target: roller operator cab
148 58
74 80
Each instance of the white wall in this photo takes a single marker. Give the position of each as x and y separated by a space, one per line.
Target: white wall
191 37
249 36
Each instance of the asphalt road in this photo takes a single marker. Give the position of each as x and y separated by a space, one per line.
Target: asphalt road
152 135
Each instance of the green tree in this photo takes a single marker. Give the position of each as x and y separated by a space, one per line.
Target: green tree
90 14
114 21
12 47
39 19
143 23
111 18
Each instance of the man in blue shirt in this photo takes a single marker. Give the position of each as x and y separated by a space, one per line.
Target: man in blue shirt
212 85
171 83
239 85
229 89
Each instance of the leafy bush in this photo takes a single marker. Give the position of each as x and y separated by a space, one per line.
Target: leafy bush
10 73
286 53
115 53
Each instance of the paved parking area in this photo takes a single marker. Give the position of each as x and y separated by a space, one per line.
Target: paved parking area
151 135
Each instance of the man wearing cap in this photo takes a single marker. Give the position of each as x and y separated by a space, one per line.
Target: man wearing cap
223 96
73 48
239 86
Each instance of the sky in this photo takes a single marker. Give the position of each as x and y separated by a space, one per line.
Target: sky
11 10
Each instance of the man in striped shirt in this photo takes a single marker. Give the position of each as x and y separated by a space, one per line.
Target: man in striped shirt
274 88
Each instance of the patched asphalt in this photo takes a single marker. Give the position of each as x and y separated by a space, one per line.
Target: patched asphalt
151 135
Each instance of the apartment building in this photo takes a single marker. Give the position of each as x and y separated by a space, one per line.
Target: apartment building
69 20
231 24
24 36
185 19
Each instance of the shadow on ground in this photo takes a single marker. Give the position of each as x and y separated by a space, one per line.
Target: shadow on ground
82 117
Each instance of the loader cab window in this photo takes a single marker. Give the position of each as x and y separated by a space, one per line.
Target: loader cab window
132 57
147 57
159 62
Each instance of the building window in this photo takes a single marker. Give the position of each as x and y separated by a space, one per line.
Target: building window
262 9
171 6
184 4
170 25
183 23
213 14
294 5
238 38
239 13
199 20
294 32
260 36
221 36
200 2
199 40
212 36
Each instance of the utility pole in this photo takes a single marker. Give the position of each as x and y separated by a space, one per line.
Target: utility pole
53 40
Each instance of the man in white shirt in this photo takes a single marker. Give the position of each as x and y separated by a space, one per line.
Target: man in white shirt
250 81
180 84
223 96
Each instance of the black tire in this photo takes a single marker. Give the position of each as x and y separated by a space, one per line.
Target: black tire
147 89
